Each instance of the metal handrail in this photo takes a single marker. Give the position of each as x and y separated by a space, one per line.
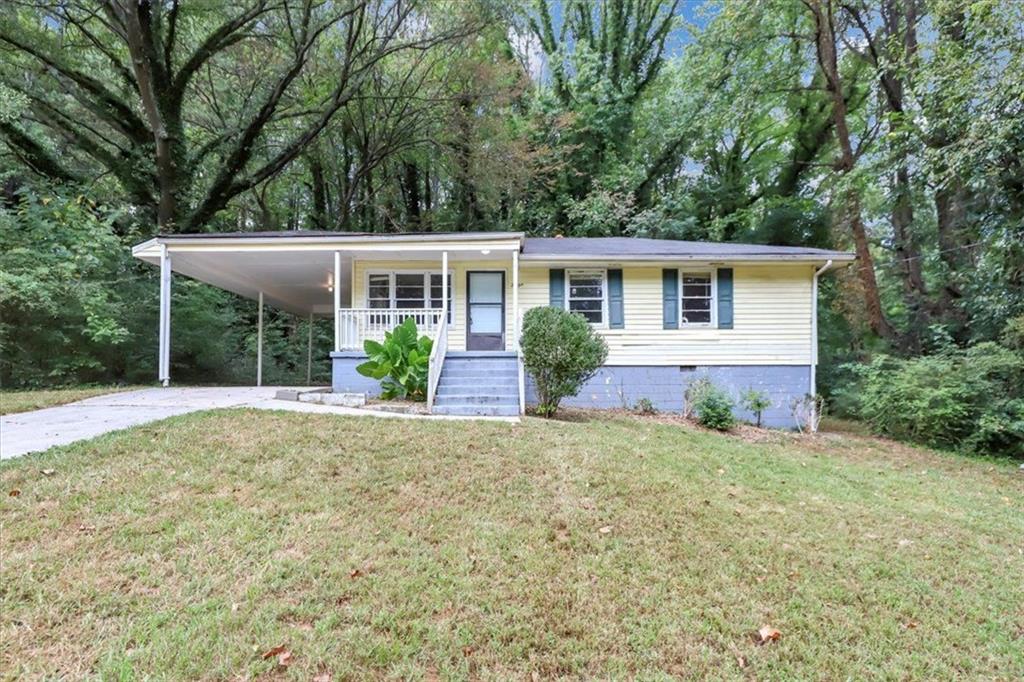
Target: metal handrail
437 354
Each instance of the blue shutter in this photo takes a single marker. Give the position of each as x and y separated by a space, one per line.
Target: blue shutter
670 298
616 316
725 298
556 291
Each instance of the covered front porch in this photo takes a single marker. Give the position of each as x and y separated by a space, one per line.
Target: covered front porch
461 289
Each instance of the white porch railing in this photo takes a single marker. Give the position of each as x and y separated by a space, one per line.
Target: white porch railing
356 325
437 353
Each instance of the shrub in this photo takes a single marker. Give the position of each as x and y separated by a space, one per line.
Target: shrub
971 399
692 393
712 405
755 401
401 363
807 412
645 406
561 351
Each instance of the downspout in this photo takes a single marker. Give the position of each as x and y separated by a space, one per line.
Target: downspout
814 332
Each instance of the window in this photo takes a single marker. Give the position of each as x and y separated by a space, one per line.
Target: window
585 292
696 298
407 290
378 291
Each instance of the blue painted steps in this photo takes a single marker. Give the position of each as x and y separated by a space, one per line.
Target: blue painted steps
482 383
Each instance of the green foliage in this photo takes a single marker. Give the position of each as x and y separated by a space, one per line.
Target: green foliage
969 399
401 363
645 406
561 351
57 255
712 406
755 401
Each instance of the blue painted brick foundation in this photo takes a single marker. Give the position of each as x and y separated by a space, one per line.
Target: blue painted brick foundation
622 387
345 378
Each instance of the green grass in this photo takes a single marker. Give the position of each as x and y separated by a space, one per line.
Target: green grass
471 550
12 402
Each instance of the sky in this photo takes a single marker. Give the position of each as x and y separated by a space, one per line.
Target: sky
692 12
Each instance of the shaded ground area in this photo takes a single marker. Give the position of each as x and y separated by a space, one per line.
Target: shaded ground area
617 548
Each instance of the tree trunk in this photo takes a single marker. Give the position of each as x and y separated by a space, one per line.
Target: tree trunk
827 61
411 194
319 187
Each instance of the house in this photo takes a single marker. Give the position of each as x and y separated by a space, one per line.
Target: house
744 315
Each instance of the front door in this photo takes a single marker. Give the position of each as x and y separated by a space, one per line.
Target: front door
485 310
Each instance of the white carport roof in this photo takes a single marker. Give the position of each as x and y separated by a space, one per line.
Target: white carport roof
295 270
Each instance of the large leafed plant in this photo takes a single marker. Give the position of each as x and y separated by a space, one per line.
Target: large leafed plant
401 363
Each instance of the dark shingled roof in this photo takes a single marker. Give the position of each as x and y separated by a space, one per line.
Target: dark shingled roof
627 247
567 248
291 234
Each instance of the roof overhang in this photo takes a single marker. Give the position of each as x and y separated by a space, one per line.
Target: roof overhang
296 272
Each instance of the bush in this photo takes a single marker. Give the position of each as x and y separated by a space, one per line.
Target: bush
645 406
969 399
712 405
755 401
401 363
561 351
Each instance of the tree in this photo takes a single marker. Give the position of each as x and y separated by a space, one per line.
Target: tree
825 39
186 106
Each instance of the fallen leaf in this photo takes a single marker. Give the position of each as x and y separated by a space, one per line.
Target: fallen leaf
284 658
84 528
467 651
355 573
767 634
535 676
322 677
49 472
14 492
274 651
910 625
741 661
604 530
234 607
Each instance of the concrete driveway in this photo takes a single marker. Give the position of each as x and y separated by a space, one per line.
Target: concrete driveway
43 429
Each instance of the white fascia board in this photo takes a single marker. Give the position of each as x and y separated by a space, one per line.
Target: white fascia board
428 241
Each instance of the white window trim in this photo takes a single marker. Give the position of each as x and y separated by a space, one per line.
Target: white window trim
603 272
713 273
426 290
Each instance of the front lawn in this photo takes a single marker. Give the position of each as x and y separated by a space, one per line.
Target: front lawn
357 548
12 402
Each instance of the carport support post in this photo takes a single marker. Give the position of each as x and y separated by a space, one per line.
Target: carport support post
337 300
309 351
164 361
259 343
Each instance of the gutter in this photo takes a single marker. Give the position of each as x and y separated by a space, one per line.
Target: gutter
814 330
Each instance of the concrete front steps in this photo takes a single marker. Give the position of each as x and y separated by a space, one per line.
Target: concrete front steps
484 383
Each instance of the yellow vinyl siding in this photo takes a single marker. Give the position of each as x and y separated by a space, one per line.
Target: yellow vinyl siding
772 318
457 270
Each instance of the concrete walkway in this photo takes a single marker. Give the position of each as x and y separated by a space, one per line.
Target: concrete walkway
43 429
